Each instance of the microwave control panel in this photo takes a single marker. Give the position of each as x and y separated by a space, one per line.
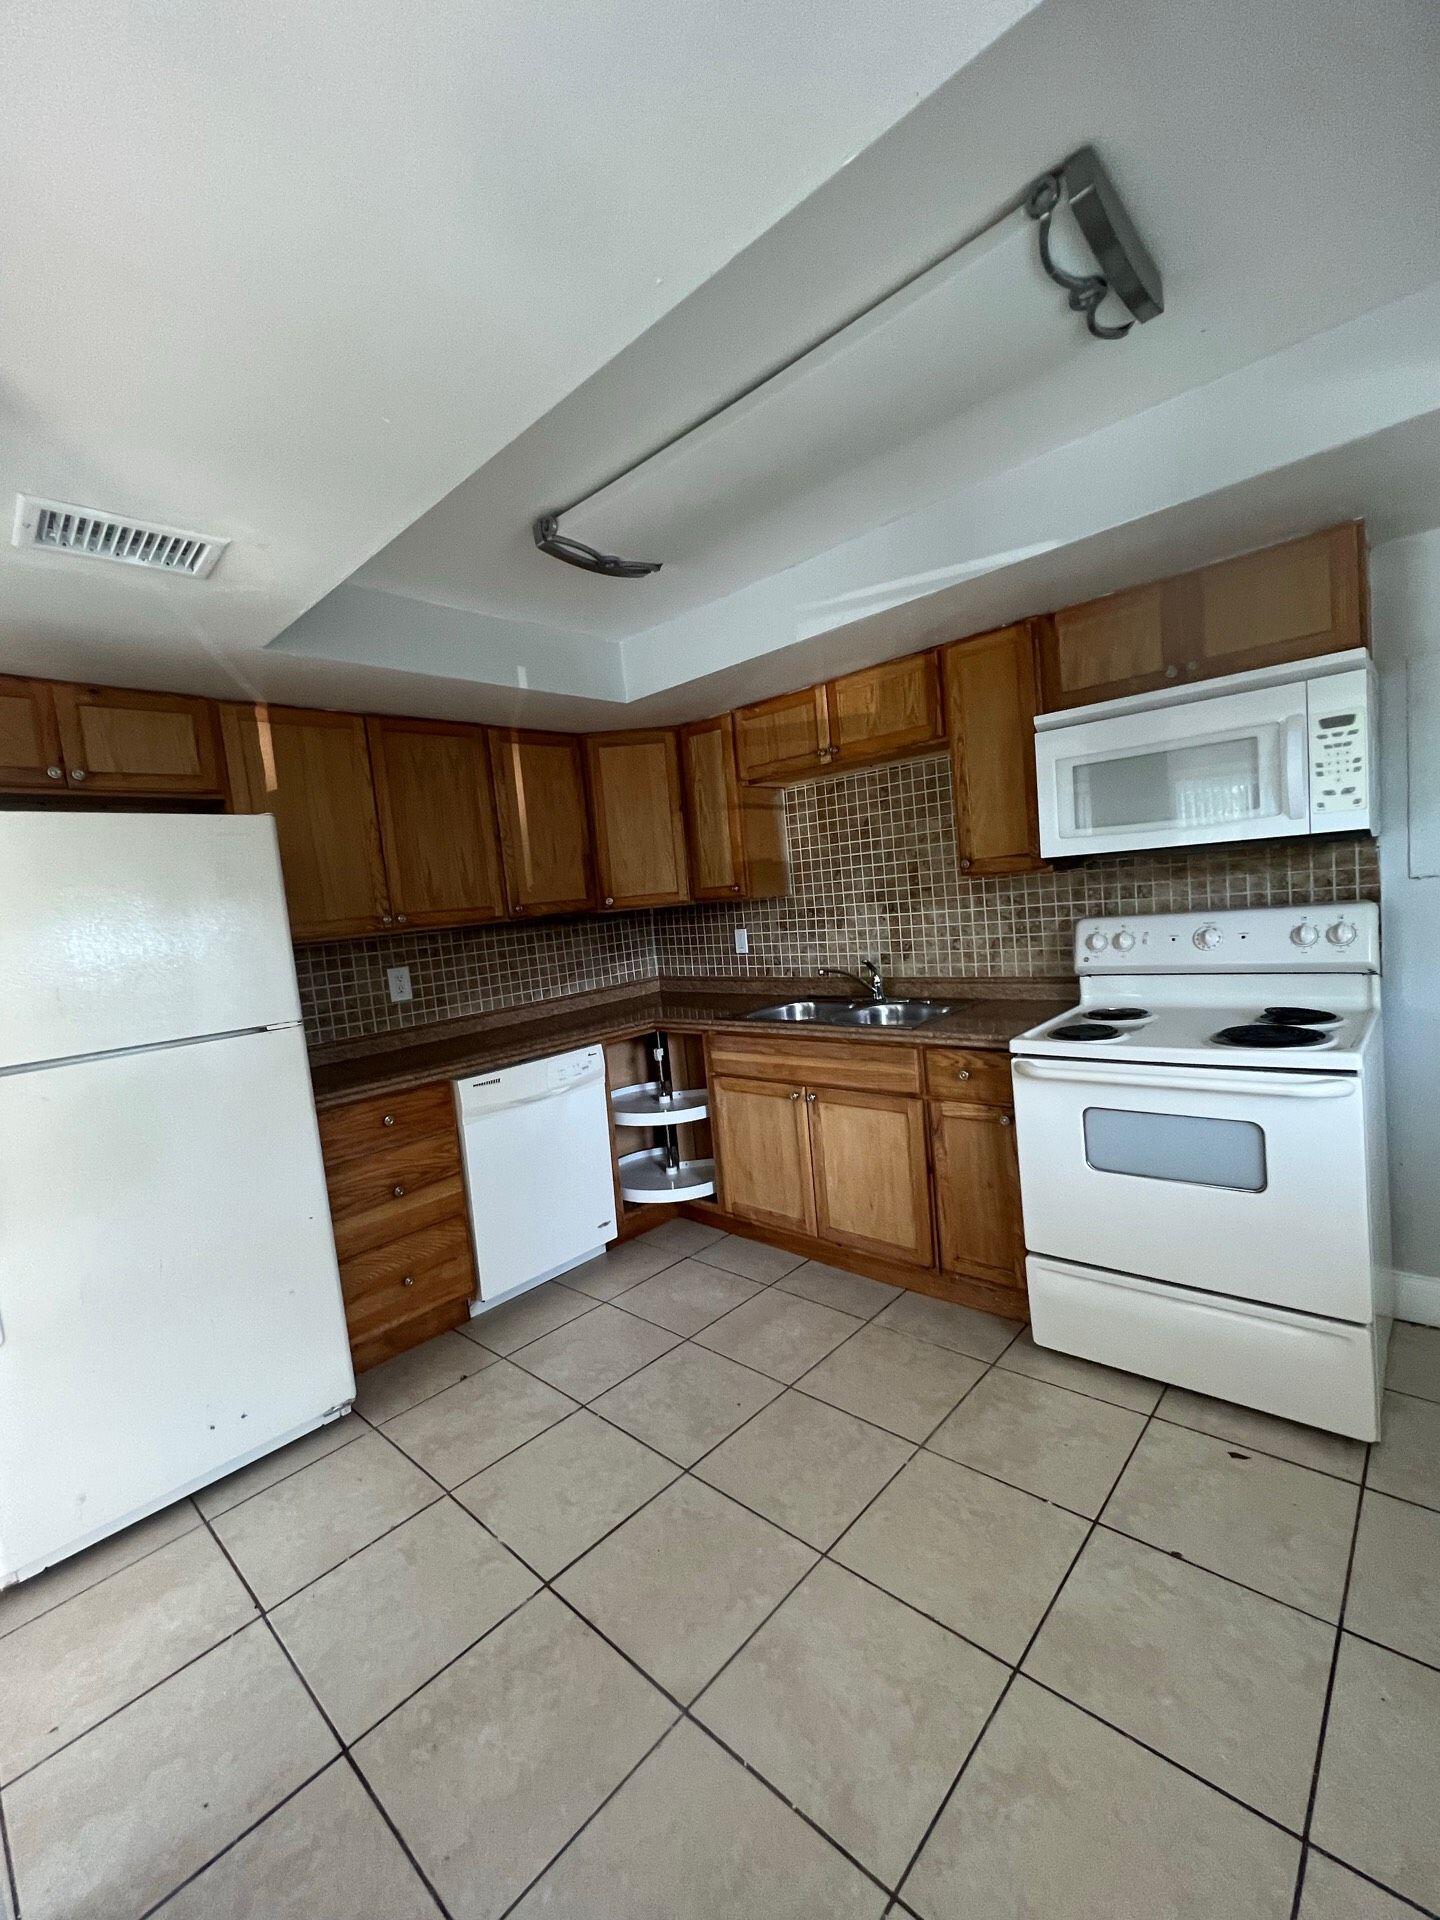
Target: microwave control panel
1340 758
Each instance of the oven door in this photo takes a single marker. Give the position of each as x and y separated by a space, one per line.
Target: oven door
1232 767
1250 1183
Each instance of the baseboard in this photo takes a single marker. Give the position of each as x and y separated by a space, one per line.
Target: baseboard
1417 1297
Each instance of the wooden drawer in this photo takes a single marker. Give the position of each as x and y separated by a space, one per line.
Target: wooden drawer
370 1180
858 1065
402 1278
395 1219
952 1074
390 1120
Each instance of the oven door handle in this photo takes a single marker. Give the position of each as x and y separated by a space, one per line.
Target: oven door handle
1297 771
1293 1086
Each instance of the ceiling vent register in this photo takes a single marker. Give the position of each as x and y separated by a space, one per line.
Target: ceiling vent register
86 533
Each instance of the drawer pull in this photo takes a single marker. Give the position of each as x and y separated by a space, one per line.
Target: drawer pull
408 1281
399 1192
389 1120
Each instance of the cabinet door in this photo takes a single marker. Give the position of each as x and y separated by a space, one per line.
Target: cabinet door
762 1152
886 710
872 1182
116 741
311 771
30 758
784 738
437 822
1284 603
1110 647
712 809
639 821
977 1192
990 698
544 821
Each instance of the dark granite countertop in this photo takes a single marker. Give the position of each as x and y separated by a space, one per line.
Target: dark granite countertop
984 1013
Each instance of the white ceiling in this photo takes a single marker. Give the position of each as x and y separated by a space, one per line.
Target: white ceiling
365 289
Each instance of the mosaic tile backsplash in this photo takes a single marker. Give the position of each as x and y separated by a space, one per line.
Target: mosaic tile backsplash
873 871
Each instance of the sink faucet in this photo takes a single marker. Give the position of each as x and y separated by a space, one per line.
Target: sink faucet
872 979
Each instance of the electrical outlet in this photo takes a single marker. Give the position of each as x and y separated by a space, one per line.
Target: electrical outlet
398 981
742 940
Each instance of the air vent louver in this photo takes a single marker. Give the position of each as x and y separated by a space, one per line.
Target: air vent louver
91 535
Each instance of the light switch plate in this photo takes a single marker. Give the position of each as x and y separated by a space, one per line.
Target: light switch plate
398 981
742 940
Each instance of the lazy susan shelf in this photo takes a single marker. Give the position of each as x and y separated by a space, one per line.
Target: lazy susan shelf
646 1106
647 1181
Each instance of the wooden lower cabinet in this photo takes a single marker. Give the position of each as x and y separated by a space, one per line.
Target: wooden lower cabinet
977 1192
872 1182
402 1228
762 1151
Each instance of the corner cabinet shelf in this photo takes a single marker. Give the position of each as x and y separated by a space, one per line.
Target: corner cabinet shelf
657 1174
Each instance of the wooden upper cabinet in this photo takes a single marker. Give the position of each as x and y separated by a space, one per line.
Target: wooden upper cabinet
311 771
872 1176
544 821
638 818
736 834
762 1152
1284 603
977 1192
786 738
30 756
990 697
883 712
117 741
436 806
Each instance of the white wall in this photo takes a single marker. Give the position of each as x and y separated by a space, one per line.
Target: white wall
1405 595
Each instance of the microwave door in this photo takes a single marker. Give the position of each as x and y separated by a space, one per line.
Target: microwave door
1231 768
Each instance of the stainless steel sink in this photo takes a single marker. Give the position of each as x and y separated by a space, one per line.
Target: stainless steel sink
854 1013
812 1012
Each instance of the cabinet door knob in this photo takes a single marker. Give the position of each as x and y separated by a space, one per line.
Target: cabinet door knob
77 773
796 1094
609 899
401 919
964 866
1006 1120
809 1099
408 1281
963 1074
734 886
389 1120
399 1192
54 773
387 920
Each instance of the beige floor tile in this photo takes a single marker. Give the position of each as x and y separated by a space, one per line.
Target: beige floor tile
858 1709
374 1630
1219 1679
273 1467
1064 1446
1332 1892
1414 1363
779 1334
834 1287
1244 1427
515 1323
687 1402
984 1336
1395 1581
411 1377
688 1296
83 1570
686 1237
621 1267
1059 1818
292 1533
684 1582
751 1259
467 1428
808 1467
589 1355
1380 1772
1406 1462
72 1666
106 1828
325 1855
491 1768
561 1492
906 1386
983 1558
692 1835
1081 1376
1262 1521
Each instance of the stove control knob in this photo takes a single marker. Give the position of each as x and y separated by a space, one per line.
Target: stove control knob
1304 933
1344 933
1208 937
1096 942
1123 941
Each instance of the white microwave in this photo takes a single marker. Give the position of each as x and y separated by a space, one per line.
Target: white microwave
1254 756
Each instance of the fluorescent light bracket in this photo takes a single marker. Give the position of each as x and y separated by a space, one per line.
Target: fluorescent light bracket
575 553
1127 270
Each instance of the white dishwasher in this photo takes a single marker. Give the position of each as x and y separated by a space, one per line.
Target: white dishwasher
538 1173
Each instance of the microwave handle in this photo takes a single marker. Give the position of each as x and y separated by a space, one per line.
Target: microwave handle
1297 773
1296 1086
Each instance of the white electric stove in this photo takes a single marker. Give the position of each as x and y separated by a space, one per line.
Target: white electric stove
1202 1158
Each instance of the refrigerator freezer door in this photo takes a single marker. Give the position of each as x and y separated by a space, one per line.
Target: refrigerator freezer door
169 1299
129 930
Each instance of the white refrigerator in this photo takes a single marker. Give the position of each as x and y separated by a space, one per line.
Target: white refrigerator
170 1304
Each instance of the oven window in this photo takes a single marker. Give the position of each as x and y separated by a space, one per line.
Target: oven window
1212 784
1177 1146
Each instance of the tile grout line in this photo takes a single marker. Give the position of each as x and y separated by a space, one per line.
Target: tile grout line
1402 1899
139 1560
